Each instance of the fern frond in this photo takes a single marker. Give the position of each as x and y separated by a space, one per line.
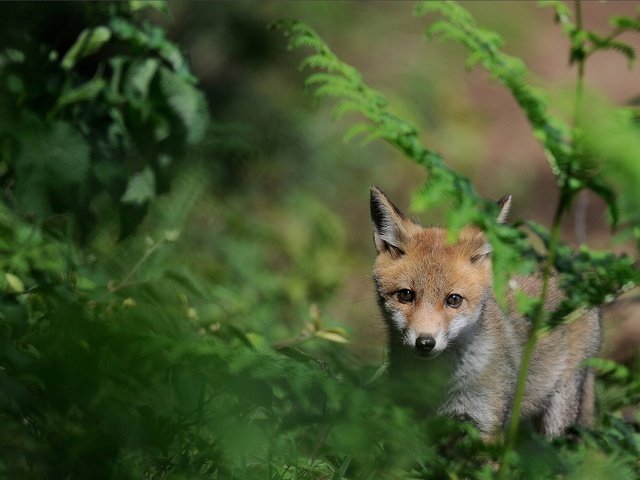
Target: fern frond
323 78
599 43
345 107
625 23
374 135
563 14
342 82
484 47
320 61
622 48
446 8
356 130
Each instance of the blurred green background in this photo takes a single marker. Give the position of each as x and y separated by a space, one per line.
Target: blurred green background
175 203
297 159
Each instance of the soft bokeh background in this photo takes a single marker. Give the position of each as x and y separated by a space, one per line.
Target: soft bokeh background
185 242
296 163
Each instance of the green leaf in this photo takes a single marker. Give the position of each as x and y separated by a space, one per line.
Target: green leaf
139 76
600 43
159 5
331 336
187 103
339 475
53 159
296 354
14 282
86 91
89 41
141 188
625 23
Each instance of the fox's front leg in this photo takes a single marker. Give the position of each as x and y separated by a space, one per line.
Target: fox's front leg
475 408
570 403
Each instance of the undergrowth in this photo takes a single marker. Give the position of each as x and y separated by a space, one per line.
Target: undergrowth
118 361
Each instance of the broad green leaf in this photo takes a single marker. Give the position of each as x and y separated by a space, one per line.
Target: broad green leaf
89 41
53 159
82 93
141 188
187 103
139 76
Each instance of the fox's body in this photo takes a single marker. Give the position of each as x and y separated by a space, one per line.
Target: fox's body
437 299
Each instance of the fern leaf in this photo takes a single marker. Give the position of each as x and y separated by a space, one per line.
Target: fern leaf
625 23
357 129
599 43
345 107
341 81
622 48
484 47
374 135
319 77
562 12
319 61
447 8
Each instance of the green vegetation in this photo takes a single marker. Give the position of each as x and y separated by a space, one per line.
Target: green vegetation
166 314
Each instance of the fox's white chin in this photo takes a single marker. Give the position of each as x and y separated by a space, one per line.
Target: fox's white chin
426 356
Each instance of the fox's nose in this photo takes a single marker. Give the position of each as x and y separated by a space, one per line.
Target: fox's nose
425 343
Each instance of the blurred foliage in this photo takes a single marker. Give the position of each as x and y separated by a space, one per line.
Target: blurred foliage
200 342
96 117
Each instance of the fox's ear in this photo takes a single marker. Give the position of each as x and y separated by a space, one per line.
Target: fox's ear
483 252
476 244
389 233
505 205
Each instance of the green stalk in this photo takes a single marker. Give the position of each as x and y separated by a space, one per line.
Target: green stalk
536 323
566 195
580 79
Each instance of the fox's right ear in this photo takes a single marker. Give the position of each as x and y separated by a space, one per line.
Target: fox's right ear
389 233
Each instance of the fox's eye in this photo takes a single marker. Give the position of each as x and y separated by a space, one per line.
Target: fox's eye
406 296
454 300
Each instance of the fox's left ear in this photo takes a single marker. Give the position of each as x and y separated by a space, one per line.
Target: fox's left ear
505 205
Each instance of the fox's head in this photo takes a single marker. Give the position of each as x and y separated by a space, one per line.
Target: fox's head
430 292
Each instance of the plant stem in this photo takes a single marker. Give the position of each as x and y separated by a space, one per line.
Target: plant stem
580 214
536 322
125 282
566 195
580 79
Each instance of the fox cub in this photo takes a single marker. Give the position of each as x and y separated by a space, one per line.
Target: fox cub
436 299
